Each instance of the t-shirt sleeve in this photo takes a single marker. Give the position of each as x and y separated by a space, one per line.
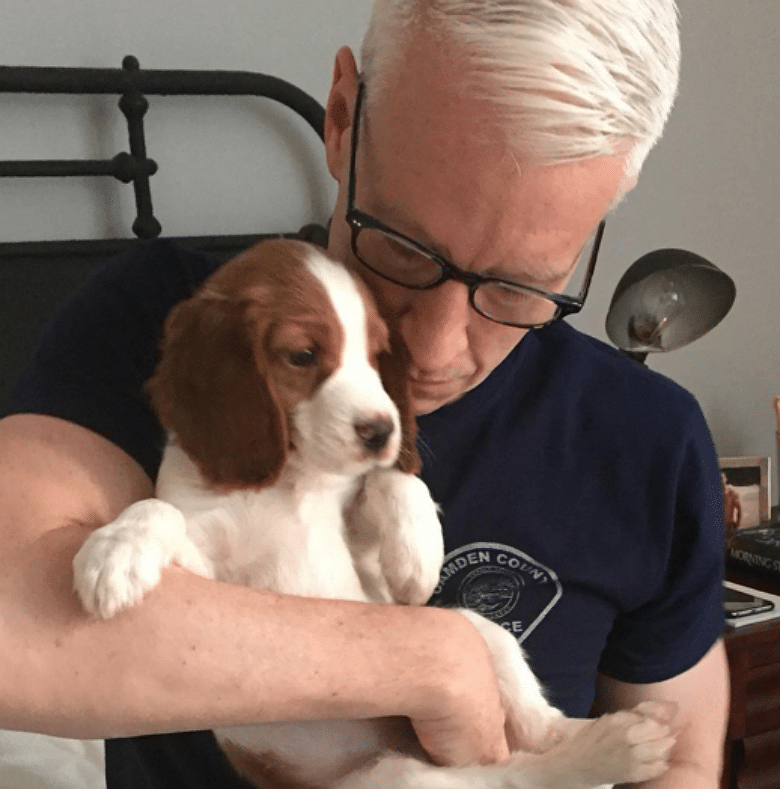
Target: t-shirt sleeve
102 346
670 633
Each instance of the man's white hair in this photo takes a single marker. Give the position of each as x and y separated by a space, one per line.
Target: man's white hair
568 79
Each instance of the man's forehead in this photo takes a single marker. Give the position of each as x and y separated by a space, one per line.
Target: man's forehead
531 233
433 167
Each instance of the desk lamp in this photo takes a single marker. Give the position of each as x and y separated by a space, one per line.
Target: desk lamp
666 299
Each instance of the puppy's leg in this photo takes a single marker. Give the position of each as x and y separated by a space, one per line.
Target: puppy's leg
120 562
625 747
399 510
533 724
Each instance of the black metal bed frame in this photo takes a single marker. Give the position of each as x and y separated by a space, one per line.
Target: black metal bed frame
132 84
37 276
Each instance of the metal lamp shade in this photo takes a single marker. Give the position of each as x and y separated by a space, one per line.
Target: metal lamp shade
695 294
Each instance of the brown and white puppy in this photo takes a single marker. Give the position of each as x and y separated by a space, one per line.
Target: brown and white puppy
289 467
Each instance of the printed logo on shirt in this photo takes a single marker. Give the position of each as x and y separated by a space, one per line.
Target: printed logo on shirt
501 583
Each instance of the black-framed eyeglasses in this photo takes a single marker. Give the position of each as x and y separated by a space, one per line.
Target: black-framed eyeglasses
405 262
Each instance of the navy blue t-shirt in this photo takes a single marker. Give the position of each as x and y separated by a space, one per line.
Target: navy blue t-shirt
581 498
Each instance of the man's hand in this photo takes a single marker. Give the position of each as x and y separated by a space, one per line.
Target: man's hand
461 720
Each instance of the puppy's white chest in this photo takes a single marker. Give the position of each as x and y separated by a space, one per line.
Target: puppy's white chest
278 538
308 555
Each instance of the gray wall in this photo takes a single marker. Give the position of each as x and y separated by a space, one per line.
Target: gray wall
711 186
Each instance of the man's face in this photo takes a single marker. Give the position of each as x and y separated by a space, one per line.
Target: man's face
428 166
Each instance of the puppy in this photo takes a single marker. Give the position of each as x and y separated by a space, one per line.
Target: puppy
290 465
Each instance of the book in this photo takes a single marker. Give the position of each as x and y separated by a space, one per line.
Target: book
757 548
746 606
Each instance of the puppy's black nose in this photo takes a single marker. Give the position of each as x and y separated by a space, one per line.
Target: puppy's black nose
374 434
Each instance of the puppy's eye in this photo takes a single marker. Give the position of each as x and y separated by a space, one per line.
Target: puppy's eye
304 358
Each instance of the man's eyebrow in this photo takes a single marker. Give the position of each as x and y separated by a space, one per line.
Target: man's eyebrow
539 277
396 220
547 276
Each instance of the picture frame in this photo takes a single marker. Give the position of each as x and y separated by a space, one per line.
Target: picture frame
747 478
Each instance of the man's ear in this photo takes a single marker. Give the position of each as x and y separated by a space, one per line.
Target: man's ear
338 113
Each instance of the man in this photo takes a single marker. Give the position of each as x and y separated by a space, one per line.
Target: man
475 159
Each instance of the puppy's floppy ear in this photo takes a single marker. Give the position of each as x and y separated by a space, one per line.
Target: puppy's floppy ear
394 370
209 391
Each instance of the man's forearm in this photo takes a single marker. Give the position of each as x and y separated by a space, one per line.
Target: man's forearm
196 654
193 655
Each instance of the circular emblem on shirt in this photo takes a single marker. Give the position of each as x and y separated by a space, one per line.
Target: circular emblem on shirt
499 582
490 591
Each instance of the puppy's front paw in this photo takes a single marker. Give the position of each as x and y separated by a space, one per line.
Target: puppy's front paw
623 747
120 562
412 546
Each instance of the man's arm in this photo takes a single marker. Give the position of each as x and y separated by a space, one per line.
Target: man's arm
198 653
702 694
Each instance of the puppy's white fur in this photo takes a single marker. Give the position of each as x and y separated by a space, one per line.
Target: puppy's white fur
292 537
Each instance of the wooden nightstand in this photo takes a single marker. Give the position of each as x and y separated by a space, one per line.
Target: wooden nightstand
752 755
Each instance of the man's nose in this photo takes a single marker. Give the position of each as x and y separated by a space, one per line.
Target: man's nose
435 326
